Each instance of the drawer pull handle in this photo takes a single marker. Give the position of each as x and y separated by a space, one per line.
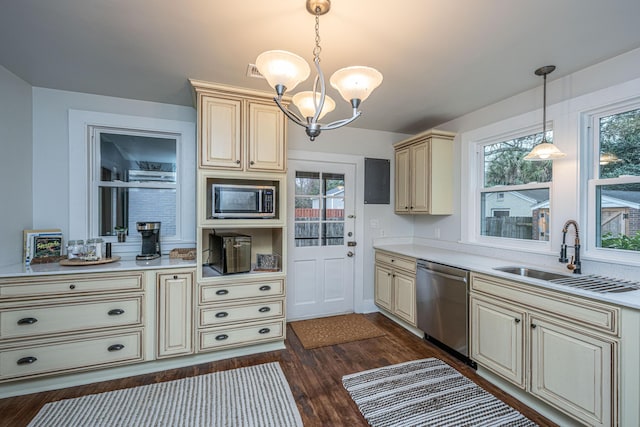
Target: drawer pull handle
115 347
72 287
264 309
265 288
222 292
27 321
116 312
27 360
264 331
222 314
222 337
175 277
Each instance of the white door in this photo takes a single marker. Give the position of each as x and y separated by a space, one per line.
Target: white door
320 278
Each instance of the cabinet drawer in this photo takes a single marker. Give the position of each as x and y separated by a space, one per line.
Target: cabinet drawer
396 261
581 311
235 336
213 316
69 316
227 292
71 285
80 354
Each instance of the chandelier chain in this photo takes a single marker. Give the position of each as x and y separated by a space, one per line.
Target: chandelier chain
317 49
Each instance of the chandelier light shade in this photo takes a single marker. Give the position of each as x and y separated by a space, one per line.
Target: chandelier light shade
284 71
545 150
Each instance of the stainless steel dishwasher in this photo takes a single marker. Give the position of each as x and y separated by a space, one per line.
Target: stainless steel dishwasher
442 306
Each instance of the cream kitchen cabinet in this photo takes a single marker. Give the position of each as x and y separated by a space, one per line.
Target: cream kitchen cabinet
561 349
239 129
423 174
395 285
174 313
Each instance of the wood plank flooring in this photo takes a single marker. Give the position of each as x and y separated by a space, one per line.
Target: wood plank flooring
315 377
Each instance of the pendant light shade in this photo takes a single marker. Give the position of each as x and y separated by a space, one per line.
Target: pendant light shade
356 82
545 150
307 104
282 69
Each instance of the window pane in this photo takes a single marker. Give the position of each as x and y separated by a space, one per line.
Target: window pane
333 233
334 209
504 162
516 214
307 208
307 234
135 158
307 183
123 207
618 212
620 144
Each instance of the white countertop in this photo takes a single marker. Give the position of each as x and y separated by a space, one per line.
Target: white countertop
124 264
481 264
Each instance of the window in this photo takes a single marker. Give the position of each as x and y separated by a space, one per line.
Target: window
319 209
514 193
134 180
615 183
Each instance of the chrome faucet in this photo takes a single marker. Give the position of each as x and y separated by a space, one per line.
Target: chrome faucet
575 263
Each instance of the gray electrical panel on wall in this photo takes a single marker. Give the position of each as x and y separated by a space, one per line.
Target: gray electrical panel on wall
376 181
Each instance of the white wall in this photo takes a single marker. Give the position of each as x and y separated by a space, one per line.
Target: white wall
613 79
15 165
51 144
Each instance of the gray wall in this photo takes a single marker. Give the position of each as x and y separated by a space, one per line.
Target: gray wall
15 165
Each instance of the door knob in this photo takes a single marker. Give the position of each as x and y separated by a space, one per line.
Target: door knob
350 254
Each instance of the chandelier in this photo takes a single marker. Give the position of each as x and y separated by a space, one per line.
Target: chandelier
545 150
285 70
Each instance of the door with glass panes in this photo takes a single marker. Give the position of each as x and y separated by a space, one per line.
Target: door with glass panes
320 276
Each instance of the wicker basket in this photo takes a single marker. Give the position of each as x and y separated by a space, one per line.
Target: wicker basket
183 253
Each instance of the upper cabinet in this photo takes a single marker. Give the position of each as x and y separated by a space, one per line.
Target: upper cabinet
239 130
424 175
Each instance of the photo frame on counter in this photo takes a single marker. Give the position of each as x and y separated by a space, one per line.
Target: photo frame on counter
42 245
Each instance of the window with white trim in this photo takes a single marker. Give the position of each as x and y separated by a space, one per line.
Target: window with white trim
614 181
513 193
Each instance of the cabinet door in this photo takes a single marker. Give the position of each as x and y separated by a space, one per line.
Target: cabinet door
497 339
221 133
267 141
572 370
383 287
404 297
174 314
402 183
419 159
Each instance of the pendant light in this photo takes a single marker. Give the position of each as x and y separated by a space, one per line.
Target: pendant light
285 70
545 150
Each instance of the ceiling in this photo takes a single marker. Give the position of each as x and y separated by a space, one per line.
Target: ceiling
440 59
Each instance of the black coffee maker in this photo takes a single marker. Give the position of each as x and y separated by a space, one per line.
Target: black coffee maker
150 232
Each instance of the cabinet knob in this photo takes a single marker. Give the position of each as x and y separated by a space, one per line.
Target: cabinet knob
264 309
533 326
222 292
175 277
264 331
72 286
27 321
265 288
116 312
115 347
237 162
26 360
516 320
222 314
252 162
222 337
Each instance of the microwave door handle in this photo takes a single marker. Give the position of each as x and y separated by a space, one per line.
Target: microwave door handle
260 207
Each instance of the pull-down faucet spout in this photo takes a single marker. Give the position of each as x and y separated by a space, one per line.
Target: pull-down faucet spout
575 263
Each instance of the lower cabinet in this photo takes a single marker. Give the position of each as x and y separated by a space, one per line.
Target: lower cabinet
563 350
174 314
395 285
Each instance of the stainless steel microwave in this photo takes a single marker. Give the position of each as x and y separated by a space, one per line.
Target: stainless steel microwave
243 201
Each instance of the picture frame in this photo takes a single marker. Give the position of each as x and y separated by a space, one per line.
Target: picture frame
42 245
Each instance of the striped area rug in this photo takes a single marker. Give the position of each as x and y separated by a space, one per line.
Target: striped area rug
427 392
252 396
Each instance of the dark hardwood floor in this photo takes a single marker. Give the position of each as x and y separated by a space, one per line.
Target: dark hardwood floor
314 376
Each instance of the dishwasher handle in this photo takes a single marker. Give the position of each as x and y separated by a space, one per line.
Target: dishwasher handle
445 275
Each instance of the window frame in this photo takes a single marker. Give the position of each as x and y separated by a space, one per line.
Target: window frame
81 220
591 178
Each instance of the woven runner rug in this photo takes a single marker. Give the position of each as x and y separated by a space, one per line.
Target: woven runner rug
427 392
325 331
252 396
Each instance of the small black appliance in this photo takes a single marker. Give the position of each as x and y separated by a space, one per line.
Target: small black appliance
150 232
